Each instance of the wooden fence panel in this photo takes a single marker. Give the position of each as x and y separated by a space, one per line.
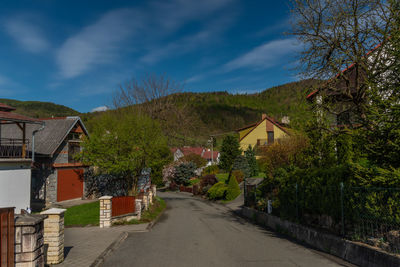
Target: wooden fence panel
122 205
7 237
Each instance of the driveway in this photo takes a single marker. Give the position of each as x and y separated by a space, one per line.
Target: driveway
193 232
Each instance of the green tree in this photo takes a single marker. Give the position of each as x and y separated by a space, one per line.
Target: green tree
242 165
196 159
124 143
250 155
230 149
184 172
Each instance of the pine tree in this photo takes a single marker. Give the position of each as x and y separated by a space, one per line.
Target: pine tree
233 189
242 165
229 151
250 155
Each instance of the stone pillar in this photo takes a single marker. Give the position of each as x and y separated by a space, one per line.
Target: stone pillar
105 211
29 248
146 201
151 197
138 208
154 189
54 235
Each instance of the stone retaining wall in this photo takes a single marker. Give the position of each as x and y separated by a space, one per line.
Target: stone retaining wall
356 253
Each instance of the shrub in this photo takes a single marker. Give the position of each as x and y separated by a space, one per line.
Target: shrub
205 189
217 191
241 164
233 189
208 180
196 159
213 169
184 172
238 175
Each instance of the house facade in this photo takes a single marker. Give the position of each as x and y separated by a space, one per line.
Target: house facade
56 174
15 159
265 132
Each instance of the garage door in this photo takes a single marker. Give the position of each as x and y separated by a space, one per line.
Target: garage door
69 184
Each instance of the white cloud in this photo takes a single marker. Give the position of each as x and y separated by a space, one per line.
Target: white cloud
28 35
265 56
97 43
101 108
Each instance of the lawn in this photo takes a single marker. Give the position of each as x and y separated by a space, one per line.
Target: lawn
222 177
81 215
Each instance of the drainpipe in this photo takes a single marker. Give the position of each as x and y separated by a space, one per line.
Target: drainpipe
33 140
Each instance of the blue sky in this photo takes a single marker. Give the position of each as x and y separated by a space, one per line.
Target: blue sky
76 53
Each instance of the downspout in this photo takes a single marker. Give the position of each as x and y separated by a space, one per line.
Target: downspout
33 140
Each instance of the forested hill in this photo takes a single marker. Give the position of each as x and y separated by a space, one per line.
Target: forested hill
221 112
38 109
210 113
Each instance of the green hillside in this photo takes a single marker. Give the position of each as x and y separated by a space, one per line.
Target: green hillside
38 109
213 113
221 112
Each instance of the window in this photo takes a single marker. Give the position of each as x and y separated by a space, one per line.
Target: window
270 137
73 149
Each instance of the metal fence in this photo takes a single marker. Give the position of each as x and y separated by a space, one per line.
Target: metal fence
366 214
13 148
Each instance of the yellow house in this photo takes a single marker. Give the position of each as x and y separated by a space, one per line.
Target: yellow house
264 132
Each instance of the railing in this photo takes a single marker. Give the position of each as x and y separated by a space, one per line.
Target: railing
7 237
122 205
13 148
366 214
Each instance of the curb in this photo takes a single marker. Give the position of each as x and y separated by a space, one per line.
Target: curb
114 245
153 222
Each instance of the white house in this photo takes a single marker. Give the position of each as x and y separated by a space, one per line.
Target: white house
15 162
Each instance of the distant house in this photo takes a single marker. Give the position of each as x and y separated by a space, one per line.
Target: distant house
202 152
56 174
211 157
15 159
186 150
265 132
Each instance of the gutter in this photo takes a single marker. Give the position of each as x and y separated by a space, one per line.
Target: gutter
33 140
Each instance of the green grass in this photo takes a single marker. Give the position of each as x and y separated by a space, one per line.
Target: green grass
148 215
81 215
194 181
222 177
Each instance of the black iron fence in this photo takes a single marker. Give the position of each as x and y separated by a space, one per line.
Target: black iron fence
366 214
13 148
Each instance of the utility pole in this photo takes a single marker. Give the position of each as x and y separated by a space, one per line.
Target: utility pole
212 150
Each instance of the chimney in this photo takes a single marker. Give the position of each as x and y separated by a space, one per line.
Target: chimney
263 116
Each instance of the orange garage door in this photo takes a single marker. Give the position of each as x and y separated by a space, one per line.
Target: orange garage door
69 184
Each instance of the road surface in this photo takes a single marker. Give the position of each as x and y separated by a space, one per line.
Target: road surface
193 232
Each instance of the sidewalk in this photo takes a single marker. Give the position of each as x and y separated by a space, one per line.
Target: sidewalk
83 245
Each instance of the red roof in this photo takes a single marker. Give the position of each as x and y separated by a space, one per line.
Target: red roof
207 154
192 150
5 107
8 116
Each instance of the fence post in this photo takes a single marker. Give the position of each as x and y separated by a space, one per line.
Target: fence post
341 205
297 202
105 211
244 192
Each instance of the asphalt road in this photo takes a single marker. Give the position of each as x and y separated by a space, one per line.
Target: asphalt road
193 232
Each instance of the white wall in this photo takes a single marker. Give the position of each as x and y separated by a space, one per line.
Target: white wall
15 184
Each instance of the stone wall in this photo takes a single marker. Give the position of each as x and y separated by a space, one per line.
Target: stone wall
356 253
29 240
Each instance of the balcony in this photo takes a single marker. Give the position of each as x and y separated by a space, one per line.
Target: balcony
11 148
